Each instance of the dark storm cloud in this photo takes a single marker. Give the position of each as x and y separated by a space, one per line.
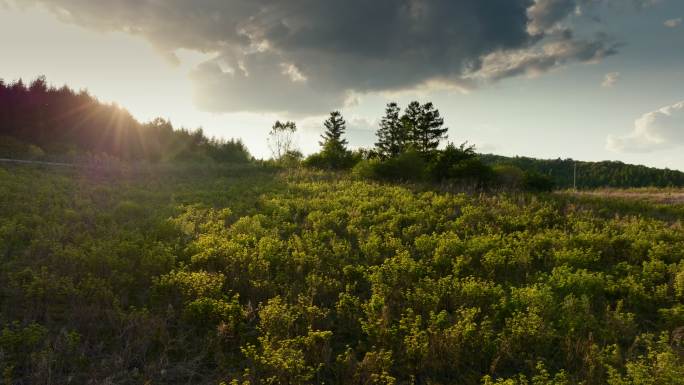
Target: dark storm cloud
308 55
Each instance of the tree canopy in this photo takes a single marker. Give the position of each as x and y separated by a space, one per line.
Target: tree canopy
64 123
335 127
392 135
334 153
424 126
281 139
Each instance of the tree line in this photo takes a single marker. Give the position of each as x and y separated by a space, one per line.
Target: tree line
38 120
408 148
587 175
42 122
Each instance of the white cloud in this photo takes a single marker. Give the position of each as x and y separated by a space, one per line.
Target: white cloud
657 130
294 73
610 79
560 50
545 14
487 148
673 23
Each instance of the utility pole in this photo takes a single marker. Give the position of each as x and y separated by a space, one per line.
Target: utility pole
574 176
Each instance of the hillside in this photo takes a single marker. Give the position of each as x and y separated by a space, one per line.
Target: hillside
38 121
593 174
247 276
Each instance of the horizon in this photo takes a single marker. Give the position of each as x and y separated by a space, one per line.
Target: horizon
591 81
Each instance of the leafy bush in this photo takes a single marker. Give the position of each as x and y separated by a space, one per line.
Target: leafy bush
458 164
472 170
538 182
13 148
510 177
331 159
292 158
445 163
230 151
408 166
34 152
365 169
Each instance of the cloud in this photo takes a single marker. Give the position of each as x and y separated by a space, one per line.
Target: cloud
309 56
646 3
653 131
539 59
361 132
673 23
259 84
545 14
610 79
487 148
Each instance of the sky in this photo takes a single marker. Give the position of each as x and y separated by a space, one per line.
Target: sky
584 79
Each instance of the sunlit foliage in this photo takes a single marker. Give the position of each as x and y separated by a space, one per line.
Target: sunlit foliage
246 277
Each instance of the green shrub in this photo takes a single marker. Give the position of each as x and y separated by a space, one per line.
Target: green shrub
292 158
331 160
444 164
12 148
538 182
366 169
34 152
231 151
510 177
409 166
472 170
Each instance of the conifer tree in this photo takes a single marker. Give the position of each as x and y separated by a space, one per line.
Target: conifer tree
392 135
334 154
335 127
424 126
410 121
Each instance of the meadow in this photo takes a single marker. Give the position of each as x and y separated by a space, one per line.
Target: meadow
668 196
251 275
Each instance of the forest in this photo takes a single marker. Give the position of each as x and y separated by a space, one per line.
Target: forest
416 261
590 175
39 121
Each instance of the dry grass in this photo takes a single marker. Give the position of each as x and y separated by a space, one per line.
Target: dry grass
672 196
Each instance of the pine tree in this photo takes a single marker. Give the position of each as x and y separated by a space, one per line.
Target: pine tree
392 135
410 121
335 127
334 154
425 127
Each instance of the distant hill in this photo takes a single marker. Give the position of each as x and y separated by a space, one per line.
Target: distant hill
39 121
593 174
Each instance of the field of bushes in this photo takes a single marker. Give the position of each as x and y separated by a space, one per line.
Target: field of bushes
253 276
